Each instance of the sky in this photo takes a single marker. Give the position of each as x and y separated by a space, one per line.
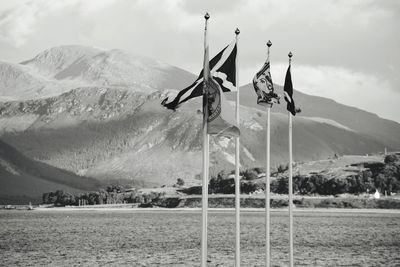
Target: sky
346 50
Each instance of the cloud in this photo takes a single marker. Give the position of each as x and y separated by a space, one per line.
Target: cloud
220 6
17 23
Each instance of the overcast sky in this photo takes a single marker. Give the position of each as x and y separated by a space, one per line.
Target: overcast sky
346 50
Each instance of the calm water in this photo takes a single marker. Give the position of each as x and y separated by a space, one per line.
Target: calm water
115 238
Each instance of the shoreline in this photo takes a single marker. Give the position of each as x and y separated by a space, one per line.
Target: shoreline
227 203
211 210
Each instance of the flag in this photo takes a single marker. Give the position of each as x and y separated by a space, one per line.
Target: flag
216 109
221 119
223 70
262 83
288 91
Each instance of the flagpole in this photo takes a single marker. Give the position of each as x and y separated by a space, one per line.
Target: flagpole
237 161
290 183
205 162
267 185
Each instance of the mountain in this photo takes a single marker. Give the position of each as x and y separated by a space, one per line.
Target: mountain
95 67
60 69
111 133
23 179
98 114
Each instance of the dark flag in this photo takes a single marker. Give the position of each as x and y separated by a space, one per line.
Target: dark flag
288 91
262 83
223 71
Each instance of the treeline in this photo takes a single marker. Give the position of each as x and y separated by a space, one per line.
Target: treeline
384 177
224 183
114 194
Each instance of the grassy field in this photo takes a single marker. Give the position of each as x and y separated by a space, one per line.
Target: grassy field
87 238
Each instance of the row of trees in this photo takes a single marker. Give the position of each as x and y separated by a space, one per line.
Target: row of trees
110 195
384 177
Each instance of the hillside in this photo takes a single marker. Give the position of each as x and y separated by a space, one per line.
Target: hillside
386 131
23 179
111 134
97 112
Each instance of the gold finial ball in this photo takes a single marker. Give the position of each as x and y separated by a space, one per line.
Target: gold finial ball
290 55
207 16
237 31
269 43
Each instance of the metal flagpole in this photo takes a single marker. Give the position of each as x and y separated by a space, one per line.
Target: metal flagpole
237 161
267 185
205 158
290 183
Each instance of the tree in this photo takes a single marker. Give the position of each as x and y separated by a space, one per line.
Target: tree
249 174
380 182
64 198
392 158
180 182
282 185
45 198
282 168
300 184
222 184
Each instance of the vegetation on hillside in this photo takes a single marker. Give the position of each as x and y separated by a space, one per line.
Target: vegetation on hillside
381 176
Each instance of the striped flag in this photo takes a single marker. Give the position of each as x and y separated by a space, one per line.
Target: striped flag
222 70
288 91
262 83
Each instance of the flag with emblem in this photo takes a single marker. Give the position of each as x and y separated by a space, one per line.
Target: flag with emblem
262 83
219 114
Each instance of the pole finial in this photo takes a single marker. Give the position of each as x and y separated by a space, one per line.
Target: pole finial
207 16
269 43
237 31
290 55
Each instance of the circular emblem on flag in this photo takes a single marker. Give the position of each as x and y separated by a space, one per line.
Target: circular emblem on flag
214 100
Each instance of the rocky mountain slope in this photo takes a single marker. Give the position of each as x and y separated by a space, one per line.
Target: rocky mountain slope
97 113
111 133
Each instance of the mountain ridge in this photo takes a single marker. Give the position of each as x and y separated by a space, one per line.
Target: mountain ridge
60 69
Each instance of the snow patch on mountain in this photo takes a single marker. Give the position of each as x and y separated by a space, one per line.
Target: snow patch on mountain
229 157
248 154
253 125
224 142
